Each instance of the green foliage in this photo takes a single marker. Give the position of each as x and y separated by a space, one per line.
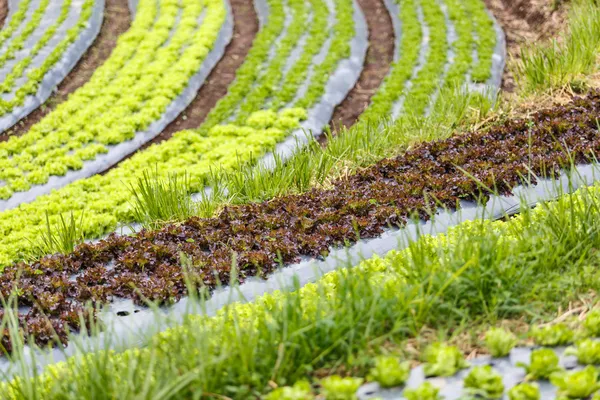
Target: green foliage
524 391
389 371
576 384
500 342
485 382
443 360
425 391
587 352
554 335
591 324
301 390
58 238
337 388
543 363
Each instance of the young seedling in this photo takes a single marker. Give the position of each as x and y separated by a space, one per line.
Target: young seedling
500 342
443 360
390 372
543 363
524 391
425 391
577 384
555 335
484 382
301 390
587 352
337 388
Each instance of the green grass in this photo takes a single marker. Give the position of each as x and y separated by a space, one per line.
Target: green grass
481 272
567 60
61 237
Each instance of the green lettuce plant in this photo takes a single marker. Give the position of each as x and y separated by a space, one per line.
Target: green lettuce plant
337 388
301 390
483 381
389 371
425 391
443 360
500 342
524 391
587 352
577 384
543 363
555 335
591 324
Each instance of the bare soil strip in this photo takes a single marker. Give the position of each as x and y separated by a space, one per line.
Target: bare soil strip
117 19
3 11
377 64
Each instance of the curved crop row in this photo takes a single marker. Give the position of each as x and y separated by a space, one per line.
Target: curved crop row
149 68
21 49
105 199
411 86
263 235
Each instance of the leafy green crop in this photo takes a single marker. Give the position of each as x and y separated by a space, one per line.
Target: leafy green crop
389 371
577 384
591 324
301 390
443 360
485 382
524 391
499 342
587 352
543 363
555 335
337 388
425 391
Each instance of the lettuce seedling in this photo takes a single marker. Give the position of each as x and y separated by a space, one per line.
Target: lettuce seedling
300 391
524 391
337 388
577 384
587 352
425 391
500 342
483 381
443 360
591 324
390 372
543 363
555 335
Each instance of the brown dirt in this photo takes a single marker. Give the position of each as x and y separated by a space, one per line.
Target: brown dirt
526 22
116 21
380 55
3 11
222 75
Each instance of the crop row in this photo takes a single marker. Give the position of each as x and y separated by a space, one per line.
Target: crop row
149 68
479 268
263 235
17 47
217 142
412 83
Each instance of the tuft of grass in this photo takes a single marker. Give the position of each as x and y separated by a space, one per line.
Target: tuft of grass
567 60
60 237
156 199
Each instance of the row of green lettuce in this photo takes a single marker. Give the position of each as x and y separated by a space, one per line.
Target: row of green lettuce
35 75
217 142
221 142
148 69
527 267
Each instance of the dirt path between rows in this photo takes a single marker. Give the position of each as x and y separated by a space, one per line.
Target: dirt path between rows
526 22
3 11
380 55
117 19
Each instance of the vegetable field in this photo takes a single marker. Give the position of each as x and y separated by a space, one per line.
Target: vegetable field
298 199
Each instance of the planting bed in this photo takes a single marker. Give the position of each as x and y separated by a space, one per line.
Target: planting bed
288 228
41 43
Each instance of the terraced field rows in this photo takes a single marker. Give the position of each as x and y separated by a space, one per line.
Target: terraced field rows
41 42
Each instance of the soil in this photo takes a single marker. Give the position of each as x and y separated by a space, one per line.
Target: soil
526 22
116 21
3 11
222 75
380 55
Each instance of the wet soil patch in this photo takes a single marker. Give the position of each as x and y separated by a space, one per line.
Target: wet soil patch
117 19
